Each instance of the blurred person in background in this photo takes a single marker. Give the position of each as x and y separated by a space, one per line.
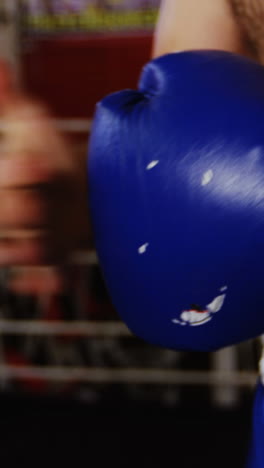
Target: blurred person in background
43 203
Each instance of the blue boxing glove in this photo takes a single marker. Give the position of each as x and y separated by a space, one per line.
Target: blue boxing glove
176 180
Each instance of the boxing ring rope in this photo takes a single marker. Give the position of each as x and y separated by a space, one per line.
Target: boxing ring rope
109 329
103 375
73 125
84 257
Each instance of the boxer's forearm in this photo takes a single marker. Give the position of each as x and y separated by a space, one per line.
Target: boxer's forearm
198 24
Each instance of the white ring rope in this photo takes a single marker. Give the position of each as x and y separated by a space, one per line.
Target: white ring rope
109 329
109 375
129 376
73 125
84 257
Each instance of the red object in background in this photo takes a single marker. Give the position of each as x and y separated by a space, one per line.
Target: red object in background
71 74
33 384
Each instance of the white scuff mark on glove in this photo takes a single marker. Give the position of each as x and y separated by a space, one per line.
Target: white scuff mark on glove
194 317
152 164
143 248
207 177
216 304
179 322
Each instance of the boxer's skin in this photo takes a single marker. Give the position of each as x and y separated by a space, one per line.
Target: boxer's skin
43 206
198 24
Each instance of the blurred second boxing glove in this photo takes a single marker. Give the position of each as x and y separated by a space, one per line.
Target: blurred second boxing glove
176 183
